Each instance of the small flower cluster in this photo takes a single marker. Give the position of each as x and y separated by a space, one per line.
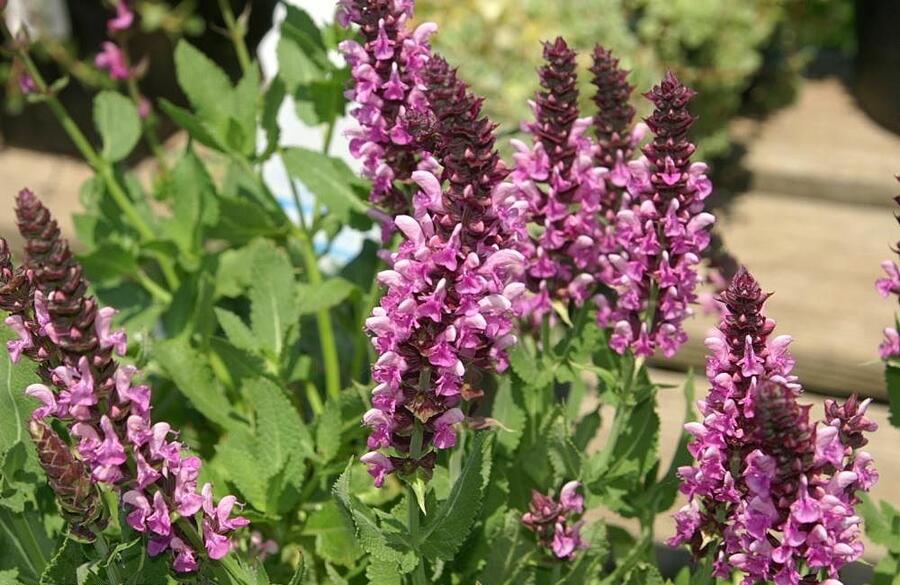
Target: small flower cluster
660 232
387 86
617 139
552 198
446 312
773 493
69 336
552 520
887 286
112 57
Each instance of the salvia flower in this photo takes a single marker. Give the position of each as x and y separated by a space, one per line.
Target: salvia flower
388 90
886 286
106 412
660 232
556 521
771 492
112 59
446 313
123 19
552 197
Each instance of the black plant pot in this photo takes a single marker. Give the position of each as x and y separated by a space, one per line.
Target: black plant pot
36 128
878 60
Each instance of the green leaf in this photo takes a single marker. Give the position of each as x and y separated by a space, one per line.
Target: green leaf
15 406
313 298
194 126
529 369
328 431
193 202
295 67
273 302
205 84
194 378
279 427
384 548
64 565
892 378
108 263
118 123
237 332
508 552
237 457
335 541
509 415
446 530
565 458
246 101
240 221
329 179
269 120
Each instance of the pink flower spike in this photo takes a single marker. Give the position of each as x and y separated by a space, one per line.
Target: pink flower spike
25 342
116 339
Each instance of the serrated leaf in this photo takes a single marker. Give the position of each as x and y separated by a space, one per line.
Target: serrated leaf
508 552
240 221
64 565
194 126
329 179
335 542
118 123
384 548
565 458
246 102
278 424
446 529
313 298
272 101
194 378
193 202
328 431
205 84
237 456
237 332
273 301
509 414
529 369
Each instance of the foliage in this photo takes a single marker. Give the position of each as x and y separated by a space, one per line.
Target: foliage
252 334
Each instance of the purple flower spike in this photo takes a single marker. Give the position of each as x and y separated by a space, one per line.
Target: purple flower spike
771 491
447 310
555 187
660 233
72 341
388 89
886 286
554 522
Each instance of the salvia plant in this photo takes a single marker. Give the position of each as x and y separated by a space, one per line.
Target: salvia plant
203 390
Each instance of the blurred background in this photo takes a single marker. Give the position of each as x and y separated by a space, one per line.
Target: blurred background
799 119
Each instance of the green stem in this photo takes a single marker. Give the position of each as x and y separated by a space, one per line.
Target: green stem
149 126
323 321
236 34
631 559
415 451
545 336
100 166
112 571
312 396
156 291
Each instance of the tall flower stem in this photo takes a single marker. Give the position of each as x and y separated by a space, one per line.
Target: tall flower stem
101 166
303 237
236 34
415 451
